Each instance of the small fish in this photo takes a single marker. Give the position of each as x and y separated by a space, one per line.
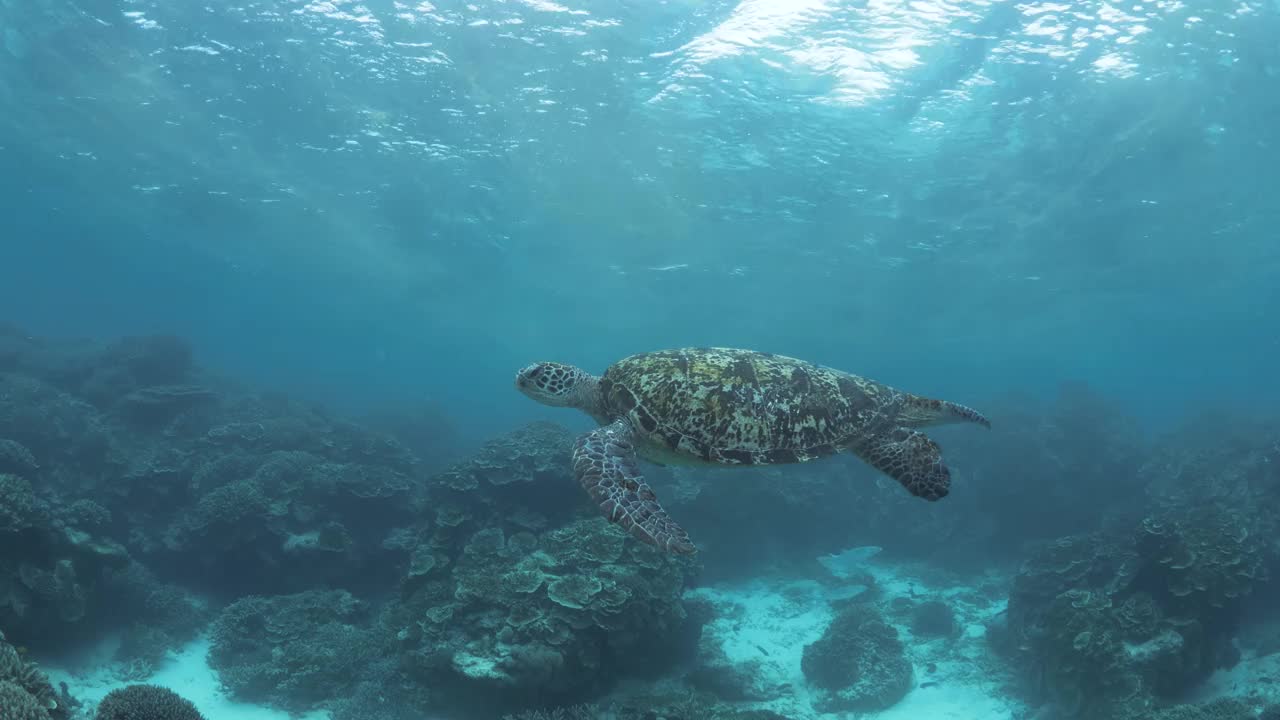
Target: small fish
761 649
929 684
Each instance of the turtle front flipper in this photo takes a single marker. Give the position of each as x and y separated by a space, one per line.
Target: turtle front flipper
604 461
909 457
917 411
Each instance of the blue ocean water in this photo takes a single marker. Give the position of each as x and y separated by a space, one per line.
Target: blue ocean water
393 205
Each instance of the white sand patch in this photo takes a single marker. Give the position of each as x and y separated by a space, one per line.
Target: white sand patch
949 701
185 672
1253 675
763 626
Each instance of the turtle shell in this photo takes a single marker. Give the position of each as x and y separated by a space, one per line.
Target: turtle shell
742 407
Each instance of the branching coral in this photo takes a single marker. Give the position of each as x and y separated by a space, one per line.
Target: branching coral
146 702
24 679
16 704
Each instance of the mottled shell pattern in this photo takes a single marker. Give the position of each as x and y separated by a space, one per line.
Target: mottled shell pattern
741 407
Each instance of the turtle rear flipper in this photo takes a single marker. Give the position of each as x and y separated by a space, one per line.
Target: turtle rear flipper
604 462
909 457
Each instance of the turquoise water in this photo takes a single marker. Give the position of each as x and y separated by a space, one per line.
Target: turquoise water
364 199
397 204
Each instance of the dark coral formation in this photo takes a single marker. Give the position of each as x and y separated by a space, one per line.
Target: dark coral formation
859 664
506 593
1125 618
146 702
157 617
933 618
294 651
127 469
1115 618
53 564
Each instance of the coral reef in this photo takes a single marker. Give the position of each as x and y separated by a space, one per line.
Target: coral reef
558 612
572 712
130 477
933 618
16 459
859 664
157 616
17 505
1105 617
16 704
295 651
25 692
146 702
506 592
1223 709
49 573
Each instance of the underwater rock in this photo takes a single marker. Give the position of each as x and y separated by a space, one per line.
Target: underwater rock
859 664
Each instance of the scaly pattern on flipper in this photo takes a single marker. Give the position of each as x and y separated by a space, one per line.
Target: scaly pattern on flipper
911 458
917 411
604 462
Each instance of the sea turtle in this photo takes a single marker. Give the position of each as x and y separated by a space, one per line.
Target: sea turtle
726 407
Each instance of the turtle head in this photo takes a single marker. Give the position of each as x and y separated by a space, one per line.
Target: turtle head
558 385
